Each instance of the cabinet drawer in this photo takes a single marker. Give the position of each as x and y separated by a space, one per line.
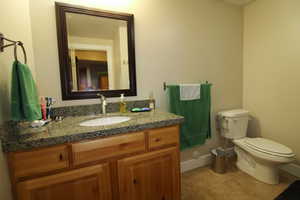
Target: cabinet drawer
100 149
38 161
163 136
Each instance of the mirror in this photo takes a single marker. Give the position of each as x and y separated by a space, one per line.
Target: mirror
96 51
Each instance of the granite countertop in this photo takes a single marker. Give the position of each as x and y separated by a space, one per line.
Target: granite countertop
68 130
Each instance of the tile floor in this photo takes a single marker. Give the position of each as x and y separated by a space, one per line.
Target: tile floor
204 184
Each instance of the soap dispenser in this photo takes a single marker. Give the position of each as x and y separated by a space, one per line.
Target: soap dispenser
122 104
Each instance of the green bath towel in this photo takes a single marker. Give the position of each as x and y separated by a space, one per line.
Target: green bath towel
24 97
196 127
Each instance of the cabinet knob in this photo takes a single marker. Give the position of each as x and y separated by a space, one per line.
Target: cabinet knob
61 157
157 139
135 181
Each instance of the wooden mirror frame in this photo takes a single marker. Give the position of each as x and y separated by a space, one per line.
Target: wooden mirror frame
62 38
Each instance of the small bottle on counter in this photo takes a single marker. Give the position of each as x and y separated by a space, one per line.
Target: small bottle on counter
43 108
122 104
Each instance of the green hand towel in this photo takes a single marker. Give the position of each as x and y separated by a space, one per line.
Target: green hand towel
196 127
24 97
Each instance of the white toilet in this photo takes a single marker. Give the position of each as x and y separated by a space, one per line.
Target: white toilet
257 157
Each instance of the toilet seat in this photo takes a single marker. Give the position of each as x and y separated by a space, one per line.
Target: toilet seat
268 146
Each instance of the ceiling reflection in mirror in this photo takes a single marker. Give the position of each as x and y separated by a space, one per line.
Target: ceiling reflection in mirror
98 53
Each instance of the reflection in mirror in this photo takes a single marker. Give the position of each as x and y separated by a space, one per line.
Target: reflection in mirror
98 53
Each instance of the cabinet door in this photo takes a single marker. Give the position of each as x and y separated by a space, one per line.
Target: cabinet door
90 183
151 176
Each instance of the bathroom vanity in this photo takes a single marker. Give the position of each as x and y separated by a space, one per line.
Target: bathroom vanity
134 160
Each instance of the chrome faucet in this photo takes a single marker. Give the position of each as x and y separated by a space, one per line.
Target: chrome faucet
103 103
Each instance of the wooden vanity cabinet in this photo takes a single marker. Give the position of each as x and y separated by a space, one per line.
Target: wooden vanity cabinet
135 166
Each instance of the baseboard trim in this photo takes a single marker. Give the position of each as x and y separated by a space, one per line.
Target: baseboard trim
195 163
292 169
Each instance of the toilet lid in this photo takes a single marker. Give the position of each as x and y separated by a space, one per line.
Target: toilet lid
269 146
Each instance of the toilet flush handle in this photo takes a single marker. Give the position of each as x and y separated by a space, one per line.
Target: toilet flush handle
226 123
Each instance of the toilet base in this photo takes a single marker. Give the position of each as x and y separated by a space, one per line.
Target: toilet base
262 170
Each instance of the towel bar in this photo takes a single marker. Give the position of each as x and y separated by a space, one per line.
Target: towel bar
13 43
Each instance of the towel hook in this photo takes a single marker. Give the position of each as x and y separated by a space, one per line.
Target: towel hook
16 52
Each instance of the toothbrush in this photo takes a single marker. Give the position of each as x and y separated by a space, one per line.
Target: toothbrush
51 101
47 107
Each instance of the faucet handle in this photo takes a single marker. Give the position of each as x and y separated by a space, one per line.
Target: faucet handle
102 97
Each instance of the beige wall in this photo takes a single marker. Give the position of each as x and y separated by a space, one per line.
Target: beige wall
15 24
176 41
5 190
271 70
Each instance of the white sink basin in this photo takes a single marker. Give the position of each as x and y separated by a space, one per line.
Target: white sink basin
105 121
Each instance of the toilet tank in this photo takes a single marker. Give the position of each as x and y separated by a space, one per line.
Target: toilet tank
233 123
